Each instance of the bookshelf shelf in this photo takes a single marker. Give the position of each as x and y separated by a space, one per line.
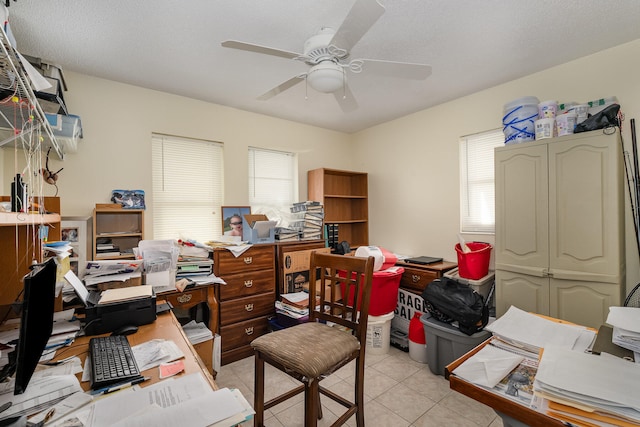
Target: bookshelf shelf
116 231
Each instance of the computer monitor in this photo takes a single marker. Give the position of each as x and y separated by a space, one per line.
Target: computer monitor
36 321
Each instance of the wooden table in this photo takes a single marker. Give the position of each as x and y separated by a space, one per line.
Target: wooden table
501 405
165 327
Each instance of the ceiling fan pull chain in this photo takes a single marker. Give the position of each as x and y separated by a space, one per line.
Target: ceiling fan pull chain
306 89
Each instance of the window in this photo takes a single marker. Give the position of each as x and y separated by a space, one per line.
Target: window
272 177
477 191
188 188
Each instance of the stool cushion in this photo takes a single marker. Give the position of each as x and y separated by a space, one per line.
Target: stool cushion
311 349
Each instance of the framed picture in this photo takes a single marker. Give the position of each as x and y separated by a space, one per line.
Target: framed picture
70 234
232 219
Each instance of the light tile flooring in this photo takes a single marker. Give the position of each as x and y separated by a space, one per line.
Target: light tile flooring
399 392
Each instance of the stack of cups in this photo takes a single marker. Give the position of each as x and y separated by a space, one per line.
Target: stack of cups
545 126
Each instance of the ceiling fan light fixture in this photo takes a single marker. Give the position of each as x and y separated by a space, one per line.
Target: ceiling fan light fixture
326 77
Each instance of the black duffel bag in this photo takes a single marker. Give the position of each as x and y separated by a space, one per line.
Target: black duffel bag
448 300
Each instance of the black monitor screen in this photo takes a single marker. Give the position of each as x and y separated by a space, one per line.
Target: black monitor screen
36 322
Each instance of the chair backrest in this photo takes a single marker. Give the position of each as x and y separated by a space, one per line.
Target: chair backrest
334 276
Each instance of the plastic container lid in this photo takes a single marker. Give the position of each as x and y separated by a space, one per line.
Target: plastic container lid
526 100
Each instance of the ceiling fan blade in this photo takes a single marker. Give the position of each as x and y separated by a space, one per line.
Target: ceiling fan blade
403 70
361 17
281 88
346 100
235 44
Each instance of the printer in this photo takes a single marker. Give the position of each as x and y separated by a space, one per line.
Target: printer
112 309
108 317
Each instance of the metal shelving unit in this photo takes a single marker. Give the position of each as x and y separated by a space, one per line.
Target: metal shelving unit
20 111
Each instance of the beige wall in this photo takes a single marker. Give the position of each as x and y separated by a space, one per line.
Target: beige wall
118 121
412 162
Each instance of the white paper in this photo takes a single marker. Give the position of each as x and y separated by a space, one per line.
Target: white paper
627 318
78 286
154 352
189 397
534 331
594 380
488 366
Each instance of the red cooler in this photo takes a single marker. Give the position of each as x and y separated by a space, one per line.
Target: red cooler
384 291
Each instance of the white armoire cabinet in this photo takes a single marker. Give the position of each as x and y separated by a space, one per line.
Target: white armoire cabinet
559 247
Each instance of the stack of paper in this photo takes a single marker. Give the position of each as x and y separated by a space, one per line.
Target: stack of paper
626 327
593 387
107 274
197 332
177 401
532 332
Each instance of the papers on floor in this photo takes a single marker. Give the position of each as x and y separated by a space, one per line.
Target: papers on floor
591 383
626 327
532 332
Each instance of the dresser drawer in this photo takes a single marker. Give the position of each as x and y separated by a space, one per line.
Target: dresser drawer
240 309
243 333
188 298
246 284
256 258
417 279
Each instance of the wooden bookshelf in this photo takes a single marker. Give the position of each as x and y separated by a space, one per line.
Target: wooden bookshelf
344 195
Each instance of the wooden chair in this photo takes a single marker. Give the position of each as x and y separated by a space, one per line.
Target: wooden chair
311 351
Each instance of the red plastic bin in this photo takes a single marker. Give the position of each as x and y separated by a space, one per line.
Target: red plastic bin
384 291
474 265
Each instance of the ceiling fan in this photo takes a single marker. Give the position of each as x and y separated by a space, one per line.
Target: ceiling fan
327 53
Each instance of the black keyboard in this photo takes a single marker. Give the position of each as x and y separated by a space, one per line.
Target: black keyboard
112 361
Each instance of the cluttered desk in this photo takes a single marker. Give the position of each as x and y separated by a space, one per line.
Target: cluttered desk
171 385
537 371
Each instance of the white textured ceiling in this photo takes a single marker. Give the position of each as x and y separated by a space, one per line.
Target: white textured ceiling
174 46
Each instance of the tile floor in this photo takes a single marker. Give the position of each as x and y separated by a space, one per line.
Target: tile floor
399 392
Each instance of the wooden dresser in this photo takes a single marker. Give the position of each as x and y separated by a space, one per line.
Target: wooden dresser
416 277
248 298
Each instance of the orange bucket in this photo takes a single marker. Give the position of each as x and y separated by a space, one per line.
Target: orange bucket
474 265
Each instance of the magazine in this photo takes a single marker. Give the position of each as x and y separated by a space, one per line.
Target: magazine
518 385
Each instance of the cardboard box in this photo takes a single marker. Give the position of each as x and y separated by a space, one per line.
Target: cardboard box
296 270
408 304
258 229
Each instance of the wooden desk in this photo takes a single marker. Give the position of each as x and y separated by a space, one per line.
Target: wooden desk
501 405
166 327
193 296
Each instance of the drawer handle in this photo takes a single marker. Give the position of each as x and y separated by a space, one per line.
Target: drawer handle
248 260
248 307
182 299
415 278
248 283
248 331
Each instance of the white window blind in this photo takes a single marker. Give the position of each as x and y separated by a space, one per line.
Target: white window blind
272 177
477 191
188 188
